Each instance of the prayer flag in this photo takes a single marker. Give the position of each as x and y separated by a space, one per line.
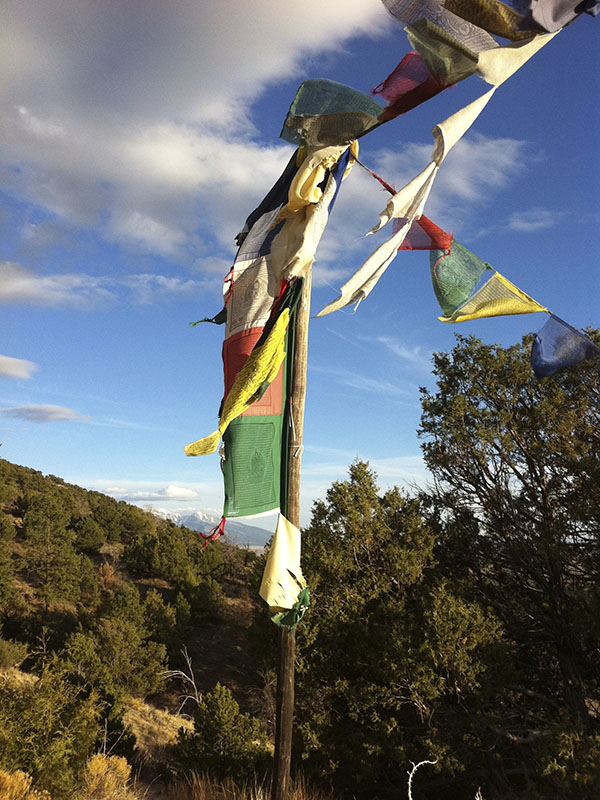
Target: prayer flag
325 112
552 15
493 16
409 85
410 11
407 204
497 297
448 60
558 346
255 445
276 247
455 272
259 370
425 235
282 579
497 66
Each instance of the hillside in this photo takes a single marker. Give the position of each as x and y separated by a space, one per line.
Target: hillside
107 597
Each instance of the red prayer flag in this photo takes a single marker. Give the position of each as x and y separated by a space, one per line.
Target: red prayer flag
425 235
409 85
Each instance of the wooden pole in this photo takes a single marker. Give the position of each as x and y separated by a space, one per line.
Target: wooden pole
284 719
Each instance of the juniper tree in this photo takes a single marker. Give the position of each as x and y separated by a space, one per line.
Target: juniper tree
387 651
516 466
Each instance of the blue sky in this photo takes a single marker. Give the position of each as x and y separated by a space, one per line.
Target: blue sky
136 138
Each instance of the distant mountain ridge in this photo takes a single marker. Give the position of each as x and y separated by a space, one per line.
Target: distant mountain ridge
237 533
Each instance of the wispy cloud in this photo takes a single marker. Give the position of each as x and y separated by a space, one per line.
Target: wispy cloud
534 219
20 286
363 383
476 168
415 356
170 492
16 368
44 413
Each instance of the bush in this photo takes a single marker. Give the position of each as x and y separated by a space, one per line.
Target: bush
12 654
107 778
224 741
48 729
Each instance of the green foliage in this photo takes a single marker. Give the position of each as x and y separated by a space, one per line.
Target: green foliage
571 760
48 728
7 529
6 576
89 535
387 650
50 559
224 741
160 618
516 463
114 657
124 603
89 589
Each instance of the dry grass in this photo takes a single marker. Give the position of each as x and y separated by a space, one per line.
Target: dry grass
107 778
18 787
154 730
15 677
201 787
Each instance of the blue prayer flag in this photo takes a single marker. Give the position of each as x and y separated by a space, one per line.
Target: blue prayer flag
557 346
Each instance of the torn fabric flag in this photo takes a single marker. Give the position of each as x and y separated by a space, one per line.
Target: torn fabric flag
407 204
552 15
259 370
276 247
282 579
557 346
496 298
497 66
255 446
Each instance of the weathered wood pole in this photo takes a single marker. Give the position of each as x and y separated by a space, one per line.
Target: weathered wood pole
284 719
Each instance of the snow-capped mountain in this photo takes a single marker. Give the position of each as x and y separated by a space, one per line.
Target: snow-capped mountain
236 532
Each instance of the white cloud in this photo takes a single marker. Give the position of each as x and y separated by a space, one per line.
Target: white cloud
148 288
134 118
20 286
16 367
150 234
179 492
44 413
137 495
535 219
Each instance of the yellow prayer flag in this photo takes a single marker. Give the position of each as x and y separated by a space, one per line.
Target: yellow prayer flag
496 298
261 367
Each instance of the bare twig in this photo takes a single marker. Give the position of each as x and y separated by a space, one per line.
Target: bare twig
411 774
188 680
